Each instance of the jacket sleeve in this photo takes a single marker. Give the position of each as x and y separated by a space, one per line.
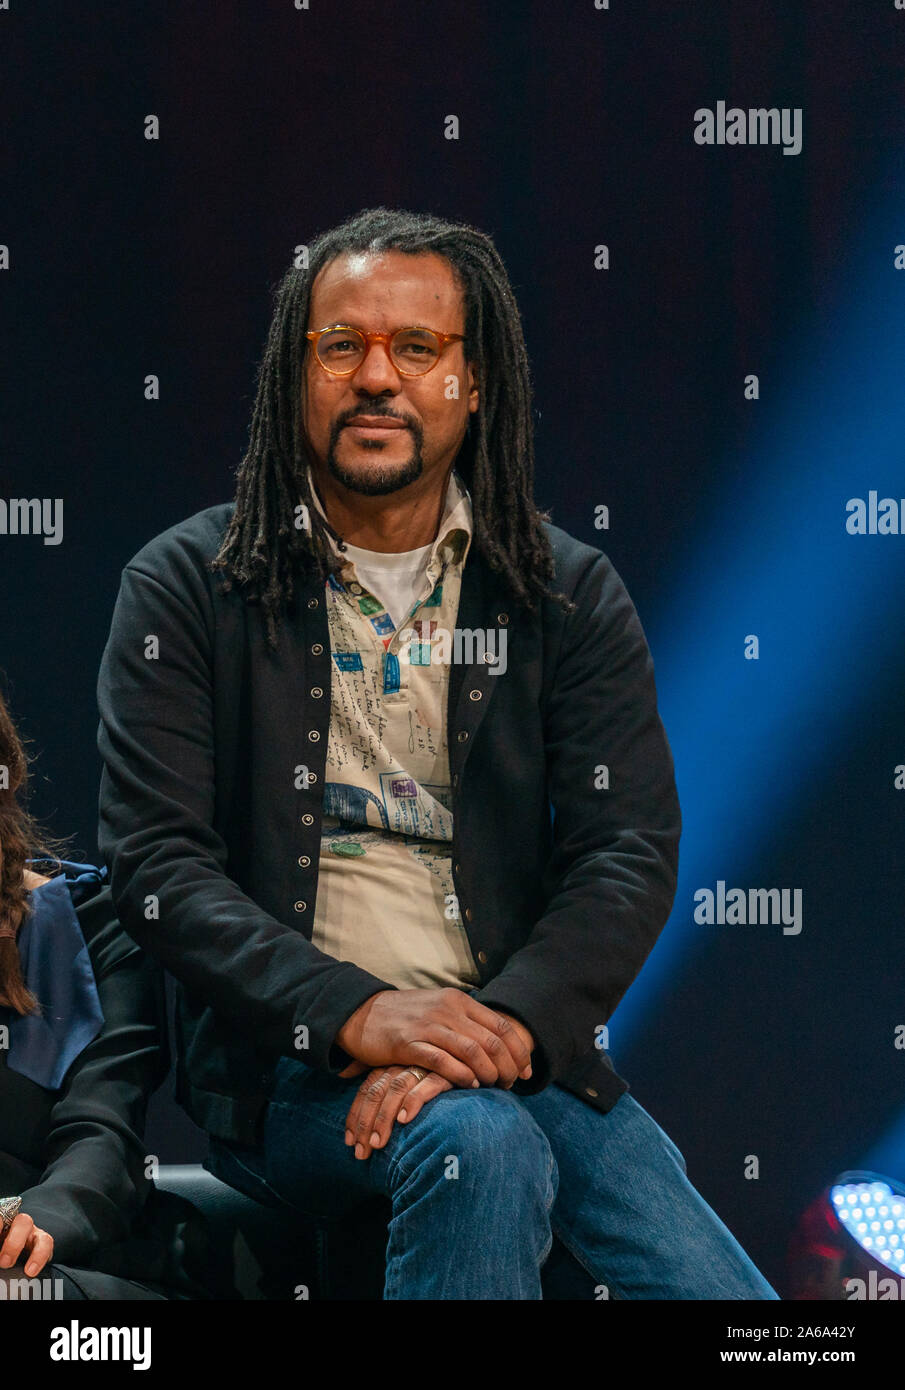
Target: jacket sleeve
94 1185
167 861
611 878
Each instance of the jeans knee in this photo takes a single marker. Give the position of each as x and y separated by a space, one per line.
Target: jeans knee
487 1140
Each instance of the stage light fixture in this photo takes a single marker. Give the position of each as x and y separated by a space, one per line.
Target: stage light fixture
850 1242
870 1210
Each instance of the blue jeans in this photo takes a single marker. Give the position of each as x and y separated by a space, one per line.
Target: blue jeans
480 1180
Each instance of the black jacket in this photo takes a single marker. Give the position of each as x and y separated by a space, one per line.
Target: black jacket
211 836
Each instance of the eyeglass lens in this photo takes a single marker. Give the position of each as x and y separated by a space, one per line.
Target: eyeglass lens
413 350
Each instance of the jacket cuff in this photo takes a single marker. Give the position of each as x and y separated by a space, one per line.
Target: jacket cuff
73 1244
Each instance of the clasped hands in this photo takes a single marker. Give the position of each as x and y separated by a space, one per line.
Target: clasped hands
448 1034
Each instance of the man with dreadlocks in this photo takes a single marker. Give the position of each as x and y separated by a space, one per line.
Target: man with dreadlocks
339 840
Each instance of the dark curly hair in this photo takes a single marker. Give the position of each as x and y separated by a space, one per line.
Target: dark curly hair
21 838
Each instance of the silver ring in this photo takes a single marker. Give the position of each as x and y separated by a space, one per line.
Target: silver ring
9 1210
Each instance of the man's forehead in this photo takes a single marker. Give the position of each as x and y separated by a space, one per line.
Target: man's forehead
382 278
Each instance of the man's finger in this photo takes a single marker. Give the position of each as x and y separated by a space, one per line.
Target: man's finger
41 1252
371 1094
16 1237
419 1095
500 1067
503 1046
500 1026
353 1119
394 1100
390 1093
432 1057
462 1039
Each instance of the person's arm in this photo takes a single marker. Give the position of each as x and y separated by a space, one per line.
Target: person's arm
611 879
94 1183
167 861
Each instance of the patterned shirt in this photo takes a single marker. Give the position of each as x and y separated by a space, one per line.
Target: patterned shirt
385 894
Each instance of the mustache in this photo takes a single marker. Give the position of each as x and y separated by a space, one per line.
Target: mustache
375 411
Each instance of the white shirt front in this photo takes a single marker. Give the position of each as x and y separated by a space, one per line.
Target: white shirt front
397 578
386 896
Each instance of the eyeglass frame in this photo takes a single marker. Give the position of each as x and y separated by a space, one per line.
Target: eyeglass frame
314 336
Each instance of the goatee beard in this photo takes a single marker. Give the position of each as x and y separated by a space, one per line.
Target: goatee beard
380 478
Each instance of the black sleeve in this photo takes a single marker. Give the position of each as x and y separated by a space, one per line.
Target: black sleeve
611 879
94 1183
158 838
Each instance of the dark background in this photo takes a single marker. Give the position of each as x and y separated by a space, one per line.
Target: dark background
131 257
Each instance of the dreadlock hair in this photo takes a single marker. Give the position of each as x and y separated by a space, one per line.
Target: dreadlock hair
19 834
264 544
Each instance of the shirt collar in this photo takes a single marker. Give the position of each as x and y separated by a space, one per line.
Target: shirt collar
454 534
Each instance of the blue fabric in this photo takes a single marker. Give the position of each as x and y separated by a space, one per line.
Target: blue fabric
391 673
612 1187
57 969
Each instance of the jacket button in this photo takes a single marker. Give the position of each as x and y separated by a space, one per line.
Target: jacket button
312 603
589 1091
502 619
490 659
316 692
469 915
455 779
300 906
314 736
307 819
312 778
458 868
317 649
463 735
304 861
482 957
475 694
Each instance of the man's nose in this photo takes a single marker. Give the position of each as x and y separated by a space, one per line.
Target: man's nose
377 372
